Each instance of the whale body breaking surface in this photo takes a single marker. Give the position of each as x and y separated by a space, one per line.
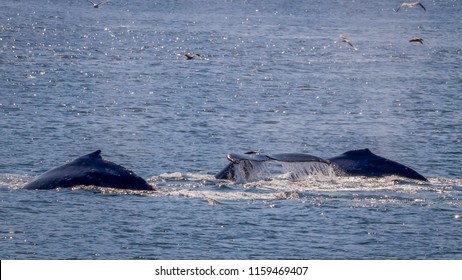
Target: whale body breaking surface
89 170
244 167
93 170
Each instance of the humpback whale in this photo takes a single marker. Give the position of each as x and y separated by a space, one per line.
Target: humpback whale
89 170
352 163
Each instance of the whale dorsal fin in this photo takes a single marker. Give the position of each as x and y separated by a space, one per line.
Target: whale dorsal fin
96 155
361 152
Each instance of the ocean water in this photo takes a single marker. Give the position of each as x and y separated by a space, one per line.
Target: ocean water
273 76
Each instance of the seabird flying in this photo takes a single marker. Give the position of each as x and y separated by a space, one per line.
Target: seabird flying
346 40
97 5
411 5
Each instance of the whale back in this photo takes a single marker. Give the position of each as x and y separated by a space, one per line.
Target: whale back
89 170
365 163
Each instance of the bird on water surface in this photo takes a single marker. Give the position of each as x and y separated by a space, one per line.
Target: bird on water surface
97 5
416 40
188 56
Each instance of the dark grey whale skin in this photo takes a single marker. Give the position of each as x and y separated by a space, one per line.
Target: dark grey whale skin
352 163
89 170
365 163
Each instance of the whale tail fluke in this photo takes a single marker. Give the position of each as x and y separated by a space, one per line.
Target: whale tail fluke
253 166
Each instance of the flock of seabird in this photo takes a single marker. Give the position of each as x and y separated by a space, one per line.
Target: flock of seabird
405 5
409 5
413 5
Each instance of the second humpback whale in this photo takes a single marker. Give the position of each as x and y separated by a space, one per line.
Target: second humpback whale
89 170
352 163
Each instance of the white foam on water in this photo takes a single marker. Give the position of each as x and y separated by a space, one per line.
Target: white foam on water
271 188
280 188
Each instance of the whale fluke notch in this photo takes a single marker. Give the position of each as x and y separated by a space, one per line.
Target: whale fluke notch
89 170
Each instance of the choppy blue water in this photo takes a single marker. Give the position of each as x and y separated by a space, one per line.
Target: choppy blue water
274 76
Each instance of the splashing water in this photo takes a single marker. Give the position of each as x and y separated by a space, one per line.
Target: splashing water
297 171
251 171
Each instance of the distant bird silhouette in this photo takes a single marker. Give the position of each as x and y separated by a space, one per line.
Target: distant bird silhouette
346 40
416 40
411 5
188 56
97 5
